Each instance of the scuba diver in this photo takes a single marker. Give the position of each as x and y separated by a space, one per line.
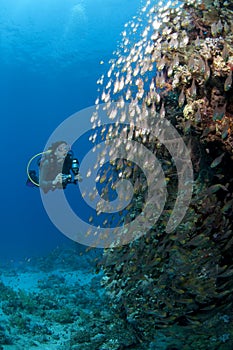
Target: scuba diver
55 166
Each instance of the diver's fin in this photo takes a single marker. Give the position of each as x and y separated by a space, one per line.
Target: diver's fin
32 180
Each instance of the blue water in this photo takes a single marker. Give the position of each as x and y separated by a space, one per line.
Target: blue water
50 52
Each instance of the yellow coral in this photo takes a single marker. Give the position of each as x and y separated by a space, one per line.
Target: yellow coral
188 111
220 67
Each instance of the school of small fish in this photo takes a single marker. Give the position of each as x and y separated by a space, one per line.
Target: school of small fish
175 61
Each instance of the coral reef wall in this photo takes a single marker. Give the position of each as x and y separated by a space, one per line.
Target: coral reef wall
181 67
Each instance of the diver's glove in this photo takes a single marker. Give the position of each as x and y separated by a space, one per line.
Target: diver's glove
58 179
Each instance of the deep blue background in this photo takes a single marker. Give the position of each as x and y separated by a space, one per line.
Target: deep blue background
50 52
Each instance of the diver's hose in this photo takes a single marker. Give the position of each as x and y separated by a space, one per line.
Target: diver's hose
28 166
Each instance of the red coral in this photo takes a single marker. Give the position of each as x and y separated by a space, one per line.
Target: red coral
230 65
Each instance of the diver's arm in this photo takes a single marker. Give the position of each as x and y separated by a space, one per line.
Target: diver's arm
46 185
